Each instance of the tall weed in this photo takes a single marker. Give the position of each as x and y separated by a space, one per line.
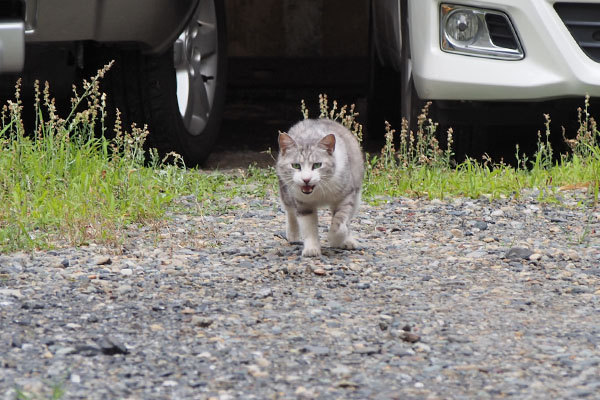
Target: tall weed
64 182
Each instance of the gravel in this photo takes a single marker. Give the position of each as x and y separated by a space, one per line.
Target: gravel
455 299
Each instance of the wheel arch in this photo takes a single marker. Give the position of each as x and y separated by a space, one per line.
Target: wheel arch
386 29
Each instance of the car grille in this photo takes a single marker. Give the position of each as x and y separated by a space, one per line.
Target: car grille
583 21
501 32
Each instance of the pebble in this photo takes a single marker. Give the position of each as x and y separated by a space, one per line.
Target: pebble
457 298
102 260
516 253
481 225
202 322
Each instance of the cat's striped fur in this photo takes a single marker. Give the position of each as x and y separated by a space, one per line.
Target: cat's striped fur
320 164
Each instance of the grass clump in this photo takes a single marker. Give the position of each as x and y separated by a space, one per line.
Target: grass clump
64 182
74 180
414 164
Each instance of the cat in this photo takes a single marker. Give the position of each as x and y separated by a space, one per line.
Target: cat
320 164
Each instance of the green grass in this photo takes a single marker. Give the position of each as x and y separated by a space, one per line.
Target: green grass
56 393
419 167
63 184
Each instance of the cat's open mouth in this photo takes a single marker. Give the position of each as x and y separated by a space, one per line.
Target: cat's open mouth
307 189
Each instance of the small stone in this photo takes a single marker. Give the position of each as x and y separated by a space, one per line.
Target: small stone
64 351
256 372
61 264
409 337
456 233
400 351
535 256
126 272
516 253
317 350
482 226
477 254
202 322
368 350
421 348
88 350
319 271
123 289
341 371
11 292
232 294
102 260
304 393
92 318
578 290
497 213
363 285
156 327
111 346
264 293
347 384
262 362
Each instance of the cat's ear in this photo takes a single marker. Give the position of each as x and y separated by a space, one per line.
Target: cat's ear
328 143
285 142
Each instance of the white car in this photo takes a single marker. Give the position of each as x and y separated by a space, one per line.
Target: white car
486 50
170 60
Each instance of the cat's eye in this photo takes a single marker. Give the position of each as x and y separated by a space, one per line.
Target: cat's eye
296 166
317 165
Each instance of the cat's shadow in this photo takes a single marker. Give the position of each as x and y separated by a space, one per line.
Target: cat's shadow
325 250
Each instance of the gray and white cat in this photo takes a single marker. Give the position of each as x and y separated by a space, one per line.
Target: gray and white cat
320 164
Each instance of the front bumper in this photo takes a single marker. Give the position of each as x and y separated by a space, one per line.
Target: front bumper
153 24
554 65
12 45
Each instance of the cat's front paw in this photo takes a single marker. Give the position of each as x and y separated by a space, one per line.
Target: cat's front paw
341 239
293 237
349 244
311 251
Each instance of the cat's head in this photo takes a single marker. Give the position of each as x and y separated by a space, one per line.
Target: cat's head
306 165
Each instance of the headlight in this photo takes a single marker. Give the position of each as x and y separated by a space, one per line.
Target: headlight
478 32
462 25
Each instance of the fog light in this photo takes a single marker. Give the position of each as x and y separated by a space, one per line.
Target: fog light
478 32
462 25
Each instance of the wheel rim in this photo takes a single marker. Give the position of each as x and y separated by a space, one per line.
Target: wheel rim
195 53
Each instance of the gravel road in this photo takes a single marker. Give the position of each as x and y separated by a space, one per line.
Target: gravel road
452 299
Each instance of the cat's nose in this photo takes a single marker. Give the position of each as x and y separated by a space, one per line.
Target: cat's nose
306 180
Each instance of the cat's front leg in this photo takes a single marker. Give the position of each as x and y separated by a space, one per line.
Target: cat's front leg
339 234
292 230
309 228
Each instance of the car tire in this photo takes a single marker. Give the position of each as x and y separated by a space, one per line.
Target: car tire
180 93
392 95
